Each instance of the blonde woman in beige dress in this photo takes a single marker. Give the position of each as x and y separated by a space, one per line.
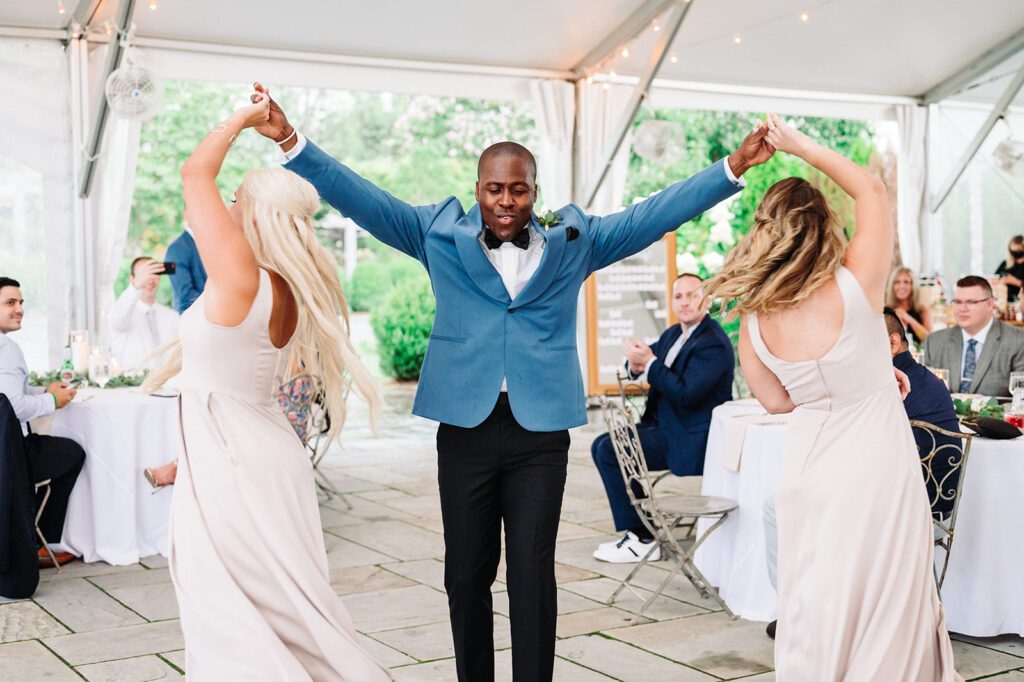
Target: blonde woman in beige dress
247 552
857 600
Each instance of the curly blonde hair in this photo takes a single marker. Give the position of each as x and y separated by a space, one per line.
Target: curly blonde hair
794 246
277 221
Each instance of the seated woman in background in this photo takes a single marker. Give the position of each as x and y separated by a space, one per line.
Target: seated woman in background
903 297
1012 269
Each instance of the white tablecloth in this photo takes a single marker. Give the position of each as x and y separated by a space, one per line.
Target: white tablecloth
112 514
983 593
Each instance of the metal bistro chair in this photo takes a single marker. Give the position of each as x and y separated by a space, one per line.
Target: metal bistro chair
662 519
39 514
633 395
298 398
944 487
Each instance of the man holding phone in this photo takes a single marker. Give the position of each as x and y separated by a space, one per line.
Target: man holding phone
138 323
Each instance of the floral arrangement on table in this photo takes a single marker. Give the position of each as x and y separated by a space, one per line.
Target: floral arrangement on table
978 406
120 381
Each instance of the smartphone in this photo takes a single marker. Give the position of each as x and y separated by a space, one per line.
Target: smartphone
170 268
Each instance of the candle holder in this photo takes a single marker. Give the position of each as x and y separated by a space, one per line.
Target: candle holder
79 342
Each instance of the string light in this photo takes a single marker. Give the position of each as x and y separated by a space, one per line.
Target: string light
656 26
804 17
605 86
590 80
673 58
736 39
152 4
625 51
60 7
611 74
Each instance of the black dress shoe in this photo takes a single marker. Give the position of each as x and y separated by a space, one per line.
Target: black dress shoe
770 630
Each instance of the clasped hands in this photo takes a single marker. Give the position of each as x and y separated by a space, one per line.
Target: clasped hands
638 354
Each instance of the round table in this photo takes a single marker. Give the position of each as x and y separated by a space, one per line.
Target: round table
983 593
113 514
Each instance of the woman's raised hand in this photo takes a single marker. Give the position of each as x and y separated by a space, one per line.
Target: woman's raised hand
786 138
256 114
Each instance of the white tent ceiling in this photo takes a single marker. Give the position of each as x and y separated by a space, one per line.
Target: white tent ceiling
876 47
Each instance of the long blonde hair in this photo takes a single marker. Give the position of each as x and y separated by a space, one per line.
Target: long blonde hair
277 220
915 292
1016 240
794 246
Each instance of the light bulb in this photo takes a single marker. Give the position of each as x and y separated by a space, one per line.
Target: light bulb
611 74
60 7
804 17
673 58
605 86
625 51
152 4
736 39
656 26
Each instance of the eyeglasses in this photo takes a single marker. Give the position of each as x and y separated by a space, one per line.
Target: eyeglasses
967 302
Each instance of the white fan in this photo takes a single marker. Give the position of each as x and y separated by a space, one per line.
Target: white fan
1009 156
134 92
658 141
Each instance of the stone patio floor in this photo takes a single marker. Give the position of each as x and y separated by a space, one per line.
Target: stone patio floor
100 622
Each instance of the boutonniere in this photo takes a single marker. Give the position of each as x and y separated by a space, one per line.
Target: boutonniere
549 220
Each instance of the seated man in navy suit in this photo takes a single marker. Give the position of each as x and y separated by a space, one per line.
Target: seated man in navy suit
690 372
928 401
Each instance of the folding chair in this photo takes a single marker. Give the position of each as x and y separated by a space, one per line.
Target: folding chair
297 397
662 518
633 395
39 514
943 448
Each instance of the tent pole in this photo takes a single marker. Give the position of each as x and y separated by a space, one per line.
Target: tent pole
998 111
115 51
640 92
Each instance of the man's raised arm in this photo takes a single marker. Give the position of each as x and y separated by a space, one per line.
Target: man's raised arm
387 218
633 229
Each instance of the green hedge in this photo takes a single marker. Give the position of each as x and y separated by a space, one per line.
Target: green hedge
402 326
376 276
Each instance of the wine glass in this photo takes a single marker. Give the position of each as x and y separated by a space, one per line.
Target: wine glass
99 367
1017 391
942 373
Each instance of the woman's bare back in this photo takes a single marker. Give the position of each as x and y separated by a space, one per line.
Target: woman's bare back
807 331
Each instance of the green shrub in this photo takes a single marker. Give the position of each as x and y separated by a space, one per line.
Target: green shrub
402 326
375 277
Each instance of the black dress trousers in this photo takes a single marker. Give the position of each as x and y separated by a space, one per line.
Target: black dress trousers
60 460
494 473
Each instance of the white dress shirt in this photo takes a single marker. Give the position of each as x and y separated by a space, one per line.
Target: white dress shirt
29 402
980 338
138 329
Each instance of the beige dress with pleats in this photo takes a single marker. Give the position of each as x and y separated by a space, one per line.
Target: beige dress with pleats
857 599
247 551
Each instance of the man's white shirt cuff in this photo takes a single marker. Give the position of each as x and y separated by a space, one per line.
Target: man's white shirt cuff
300 144
739 182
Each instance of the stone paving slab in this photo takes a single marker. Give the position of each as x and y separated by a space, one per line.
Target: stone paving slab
140 669
710 643
974 661
623 661
30 660
117 643
82 606
26 620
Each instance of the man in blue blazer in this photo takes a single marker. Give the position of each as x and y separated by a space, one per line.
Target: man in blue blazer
501 373
189 278
690 372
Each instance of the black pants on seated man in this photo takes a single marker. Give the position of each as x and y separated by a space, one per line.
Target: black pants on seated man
499 472
60 460
655 445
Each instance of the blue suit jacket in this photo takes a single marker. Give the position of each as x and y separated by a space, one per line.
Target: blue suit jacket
189 278
929 401
683 395
480 335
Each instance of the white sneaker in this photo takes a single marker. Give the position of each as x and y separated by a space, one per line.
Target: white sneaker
627 550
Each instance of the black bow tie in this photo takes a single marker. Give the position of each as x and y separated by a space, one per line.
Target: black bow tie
522 240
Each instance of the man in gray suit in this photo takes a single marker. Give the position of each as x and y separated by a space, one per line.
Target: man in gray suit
981 351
